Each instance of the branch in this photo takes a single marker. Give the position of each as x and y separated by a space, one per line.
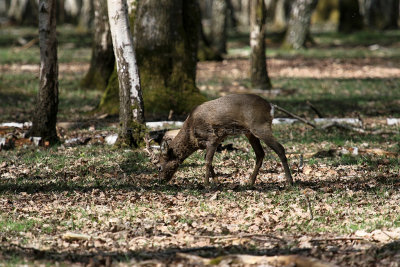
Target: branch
358 130
335 124
294 116
314 109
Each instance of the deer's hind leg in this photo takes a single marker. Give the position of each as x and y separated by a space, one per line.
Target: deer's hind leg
255 143
265 134
211 148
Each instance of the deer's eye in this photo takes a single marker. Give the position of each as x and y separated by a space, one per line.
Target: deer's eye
160 168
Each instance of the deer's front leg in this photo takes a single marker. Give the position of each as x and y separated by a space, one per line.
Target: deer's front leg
209 168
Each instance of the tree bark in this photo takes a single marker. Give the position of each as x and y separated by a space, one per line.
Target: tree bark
282 10
205 50
130 94
45 119
166 37
259 74
350 17
3 8
23 12
102 62
380 14
69 10
299 23
86 15
219 20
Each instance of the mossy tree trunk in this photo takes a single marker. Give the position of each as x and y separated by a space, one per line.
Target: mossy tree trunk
258 69
102 62
298 29
45 118
166 39
131 111
350 18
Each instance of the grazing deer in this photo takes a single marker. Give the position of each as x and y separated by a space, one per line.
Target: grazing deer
211 122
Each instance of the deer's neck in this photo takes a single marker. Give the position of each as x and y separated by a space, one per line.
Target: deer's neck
182 145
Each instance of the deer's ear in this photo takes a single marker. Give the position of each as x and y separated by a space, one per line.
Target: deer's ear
164 147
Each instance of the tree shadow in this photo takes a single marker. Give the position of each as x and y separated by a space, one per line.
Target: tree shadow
168 256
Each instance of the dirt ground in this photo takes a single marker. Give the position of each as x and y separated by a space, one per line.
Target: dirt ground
90 204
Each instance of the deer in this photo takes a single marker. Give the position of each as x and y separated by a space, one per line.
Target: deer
210 123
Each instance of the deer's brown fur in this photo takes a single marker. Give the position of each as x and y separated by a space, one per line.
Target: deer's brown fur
211 122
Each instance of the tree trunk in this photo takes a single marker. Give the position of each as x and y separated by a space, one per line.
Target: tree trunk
165 36
102 62
131 112
282 10
259 74
299 23
327 12
380 14
86 15
44 121
205 50
71 11
219 21
23 12
3 8
350 17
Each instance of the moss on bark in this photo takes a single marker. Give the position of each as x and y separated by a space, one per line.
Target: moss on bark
109 102
134 137
167 58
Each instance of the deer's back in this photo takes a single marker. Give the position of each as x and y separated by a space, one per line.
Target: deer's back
238 110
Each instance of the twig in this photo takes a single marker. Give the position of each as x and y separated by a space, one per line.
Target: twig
319 114
360 119
295 116
336 239
28 44
309 207
238 236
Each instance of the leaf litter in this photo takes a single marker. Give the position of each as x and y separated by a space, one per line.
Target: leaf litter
93 202
87 203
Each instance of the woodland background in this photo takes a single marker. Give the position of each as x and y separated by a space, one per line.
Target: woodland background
86 202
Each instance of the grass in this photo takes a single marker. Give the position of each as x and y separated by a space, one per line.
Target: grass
114 194
363 44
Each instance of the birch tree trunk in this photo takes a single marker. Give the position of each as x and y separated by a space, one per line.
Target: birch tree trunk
102 62
259 74
45 118
130 93
299 23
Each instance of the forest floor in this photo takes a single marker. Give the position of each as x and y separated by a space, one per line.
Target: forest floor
86 202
